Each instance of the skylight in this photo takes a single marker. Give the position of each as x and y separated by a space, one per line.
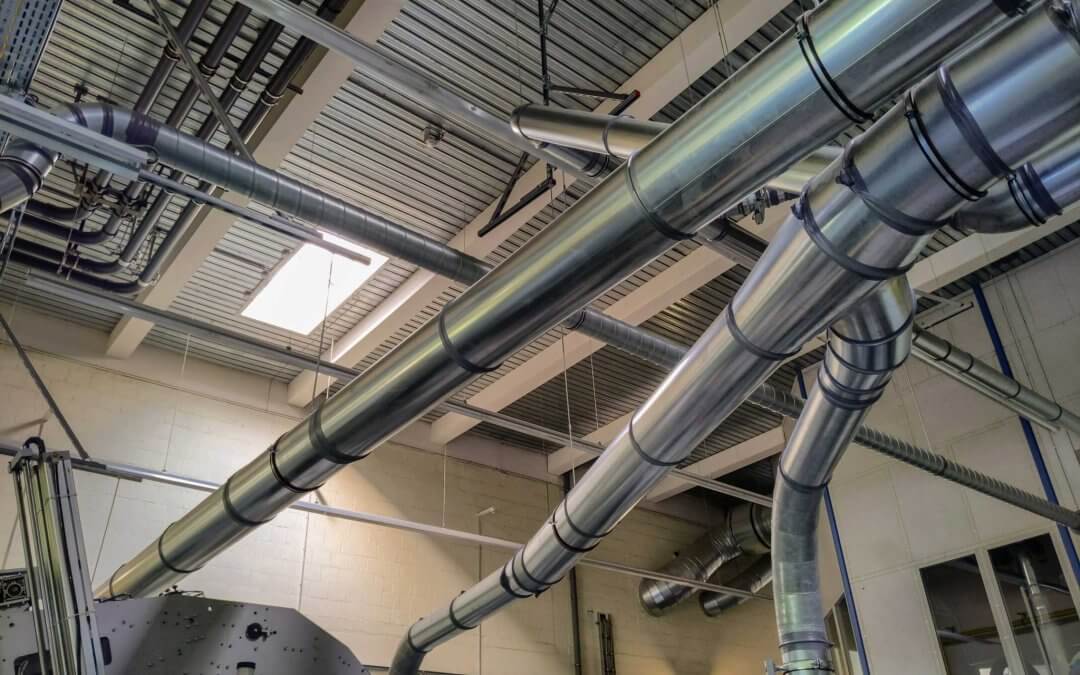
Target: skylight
296 297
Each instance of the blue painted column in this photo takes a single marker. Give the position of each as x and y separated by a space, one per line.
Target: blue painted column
845 581
1025 425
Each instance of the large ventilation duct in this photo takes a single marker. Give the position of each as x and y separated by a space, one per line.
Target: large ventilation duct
694 171
745 532
862 222
864 349
962 366
623 136
754 580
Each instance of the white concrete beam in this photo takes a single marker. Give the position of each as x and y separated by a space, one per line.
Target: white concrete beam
294 115
696 50
722 463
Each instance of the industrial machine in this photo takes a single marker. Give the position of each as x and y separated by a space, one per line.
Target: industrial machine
50 624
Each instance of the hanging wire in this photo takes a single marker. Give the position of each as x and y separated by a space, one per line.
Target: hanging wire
724 46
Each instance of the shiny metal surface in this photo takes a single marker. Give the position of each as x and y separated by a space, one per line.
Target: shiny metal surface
864 350
980 376
754 579
745 531
416 85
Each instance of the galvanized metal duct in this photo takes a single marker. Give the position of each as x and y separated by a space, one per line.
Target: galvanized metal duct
860 223
695 170
623 136
983 378
745 531
1038 191
864 349
754 580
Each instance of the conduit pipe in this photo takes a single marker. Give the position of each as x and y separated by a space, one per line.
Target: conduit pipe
745 531
864 349
978 375
621 137
754 580
692 172
860 223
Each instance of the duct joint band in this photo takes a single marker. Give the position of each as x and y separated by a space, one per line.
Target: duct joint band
967 126
1031 184
804 213
282 480
740 337
454 620
577 530
504 581
656 221
797 486
846 397
233 512
933 156
577 321
412 645
825 81
641 452
567 545
462 362
29 176
903 223
321 444
164 560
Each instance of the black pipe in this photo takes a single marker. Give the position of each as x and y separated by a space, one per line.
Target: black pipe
575 618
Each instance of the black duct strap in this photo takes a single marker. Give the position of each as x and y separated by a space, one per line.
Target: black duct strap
567 545
573 526
740 337
1032 182
1020 198
576 320
165 561
933 156
282 480
107 121
968 127
1012 7
234 512
649 459
828 85
803 212
28 175
656 221
850 177
504 581
541 585
321 444
465 364
454 620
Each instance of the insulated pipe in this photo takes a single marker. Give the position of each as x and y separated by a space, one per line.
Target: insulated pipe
745 532
754 579
623 136
1040 190
978 375
864 349
695 170
862 222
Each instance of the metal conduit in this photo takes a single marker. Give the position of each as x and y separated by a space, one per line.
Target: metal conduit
621 136
745 531
860 223
962 366
695 170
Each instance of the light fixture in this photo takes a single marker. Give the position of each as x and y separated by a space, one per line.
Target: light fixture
310 285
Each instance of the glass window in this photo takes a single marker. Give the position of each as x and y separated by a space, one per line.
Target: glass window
1041 611
965 626
845 655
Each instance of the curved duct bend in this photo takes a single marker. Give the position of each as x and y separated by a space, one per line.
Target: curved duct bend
754 579
623 136
746 531
864 349
860 223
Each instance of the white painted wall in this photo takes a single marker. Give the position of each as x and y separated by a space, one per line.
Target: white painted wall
895 519
365 584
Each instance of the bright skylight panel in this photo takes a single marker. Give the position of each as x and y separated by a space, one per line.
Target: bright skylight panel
296 298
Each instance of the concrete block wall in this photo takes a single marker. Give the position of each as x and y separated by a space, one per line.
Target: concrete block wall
895 519
363 583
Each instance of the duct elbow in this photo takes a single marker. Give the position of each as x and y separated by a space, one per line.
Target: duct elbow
407 658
